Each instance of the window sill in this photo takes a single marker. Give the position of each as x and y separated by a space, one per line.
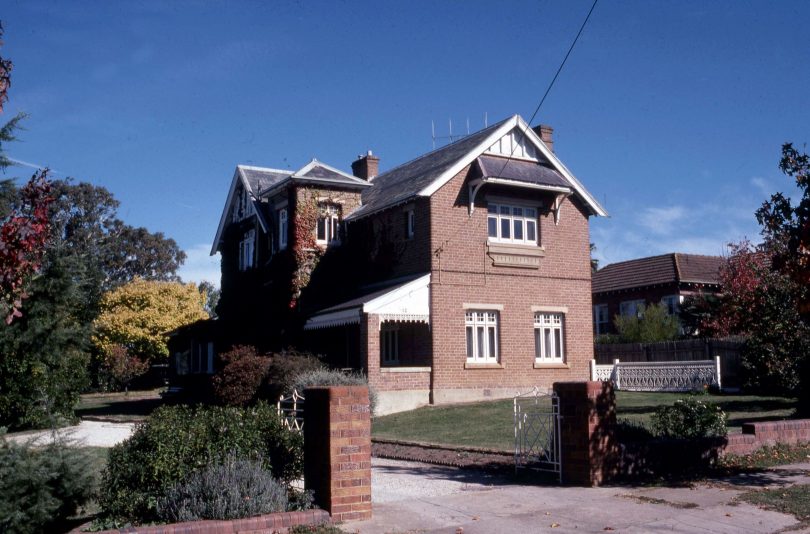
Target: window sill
521 256
475 365
551 365
392 369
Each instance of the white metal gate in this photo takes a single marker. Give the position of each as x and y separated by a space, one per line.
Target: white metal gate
537 432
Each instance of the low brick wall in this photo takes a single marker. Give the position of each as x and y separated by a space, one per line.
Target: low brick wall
756 435
262 523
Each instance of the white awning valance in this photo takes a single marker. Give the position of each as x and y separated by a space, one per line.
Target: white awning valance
406 302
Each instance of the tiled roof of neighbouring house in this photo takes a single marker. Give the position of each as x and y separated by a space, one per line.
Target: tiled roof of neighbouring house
405 181
657 270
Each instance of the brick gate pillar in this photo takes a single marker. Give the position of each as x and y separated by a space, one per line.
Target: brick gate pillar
337 450
588 417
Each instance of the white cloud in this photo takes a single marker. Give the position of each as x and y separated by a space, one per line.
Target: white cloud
199 265
763 186
662 221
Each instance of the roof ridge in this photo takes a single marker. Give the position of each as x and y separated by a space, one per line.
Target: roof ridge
256 168
677 267
435 150
636 259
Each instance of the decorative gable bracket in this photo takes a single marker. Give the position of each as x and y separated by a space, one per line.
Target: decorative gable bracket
557 206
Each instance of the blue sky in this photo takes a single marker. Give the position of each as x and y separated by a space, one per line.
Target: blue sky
671 113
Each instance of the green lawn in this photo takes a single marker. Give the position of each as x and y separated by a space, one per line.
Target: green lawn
794 500
491 424
119 407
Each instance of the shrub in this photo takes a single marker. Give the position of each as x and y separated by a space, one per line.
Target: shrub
285 368
122 367
332 377
235 489
41 487
689 418
238 383
177 440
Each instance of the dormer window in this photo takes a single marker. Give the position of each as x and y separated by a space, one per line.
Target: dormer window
512 224
327 231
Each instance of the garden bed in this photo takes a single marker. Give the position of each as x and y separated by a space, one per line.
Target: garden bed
277 522
464 457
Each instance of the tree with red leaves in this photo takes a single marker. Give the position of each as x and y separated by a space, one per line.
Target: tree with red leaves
22 243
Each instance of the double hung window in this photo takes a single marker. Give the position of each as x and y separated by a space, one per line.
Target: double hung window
631 307
601 319
389 345
282 228
246 249
482 336
512 224
327 230
548 338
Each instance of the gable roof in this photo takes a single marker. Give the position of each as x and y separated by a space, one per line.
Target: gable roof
261 181
426 174
670 268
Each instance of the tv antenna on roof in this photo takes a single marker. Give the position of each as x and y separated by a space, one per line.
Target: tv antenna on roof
451 137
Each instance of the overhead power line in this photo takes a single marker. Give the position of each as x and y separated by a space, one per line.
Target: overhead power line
553 80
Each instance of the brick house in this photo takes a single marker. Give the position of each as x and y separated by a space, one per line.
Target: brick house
462 274
619 288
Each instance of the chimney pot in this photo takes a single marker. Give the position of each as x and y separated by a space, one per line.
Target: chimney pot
366 167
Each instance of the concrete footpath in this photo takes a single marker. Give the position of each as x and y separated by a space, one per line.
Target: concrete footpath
412 497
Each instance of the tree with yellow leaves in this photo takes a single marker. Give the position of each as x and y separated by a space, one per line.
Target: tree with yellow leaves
137 316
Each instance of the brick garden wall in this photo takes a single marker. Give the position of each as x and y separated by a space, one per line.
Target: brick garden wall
337 450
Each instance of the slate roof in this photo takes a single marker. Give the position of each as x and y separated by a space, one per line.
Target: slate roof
404 182
259 178
520 171
674 268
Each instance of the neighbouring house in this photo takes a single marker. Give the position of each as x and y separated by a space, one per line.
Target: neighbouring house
620 288
461 275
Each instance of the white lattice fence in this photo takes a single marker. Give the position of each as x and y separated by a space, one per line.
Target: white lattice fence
660 376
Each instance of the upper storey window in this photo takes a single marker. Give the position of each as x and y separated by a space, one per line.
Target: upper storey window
327 231
246 250
282 228
242 206
512 224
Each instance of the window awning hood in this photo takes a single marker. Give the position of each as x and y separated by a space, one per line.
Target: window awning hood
404 302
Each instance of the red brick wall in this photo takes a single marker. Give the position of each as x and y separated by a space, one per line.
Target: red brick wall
587 420
412 255
462 272
337 450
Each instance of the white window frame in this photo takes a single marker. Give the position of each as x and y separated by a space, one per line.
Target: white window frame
672 304
247 247
410 224
389 345
329 217
549 337
601 319
629 308
503 219
481 335
283 225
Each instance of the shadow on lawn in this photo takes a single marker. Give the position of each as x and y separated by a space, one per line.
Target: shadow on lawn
495 474
118 409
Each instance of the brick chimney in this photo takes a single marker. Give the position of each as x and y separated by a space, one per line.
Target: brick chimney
366 167
546 134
